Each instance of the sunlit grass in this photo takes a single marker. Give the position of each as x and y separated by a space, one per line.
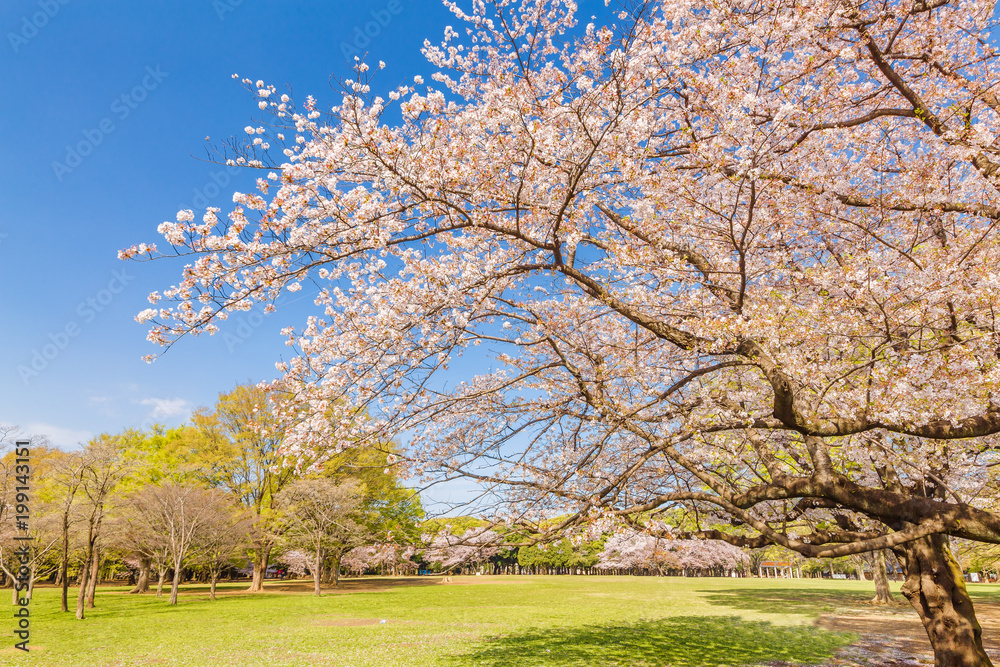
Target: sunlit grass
489 621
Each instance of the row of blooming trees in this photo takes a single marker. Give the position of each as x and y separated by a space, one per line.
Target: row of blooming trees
485 550
733 256
632 550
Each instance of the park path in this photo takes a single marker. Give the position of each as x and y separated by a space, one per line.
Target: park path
894 636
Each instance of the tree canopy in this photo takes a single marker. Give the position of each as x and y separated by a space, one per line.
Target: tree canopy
735 256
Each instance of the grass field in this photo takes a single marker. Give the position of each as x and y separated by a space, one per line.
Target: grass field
488 621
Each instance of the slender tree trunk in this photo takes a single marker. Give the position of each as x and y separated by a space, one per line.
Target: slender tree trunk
335 570
82 595
95 570
161 574
260 560
317 570
882 593
935 587
142 582
176 582
214 580
64 565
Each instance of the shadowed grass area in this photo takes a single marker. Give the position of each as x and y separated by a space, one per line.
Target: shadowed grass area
491 621
819 596
791 600
683 641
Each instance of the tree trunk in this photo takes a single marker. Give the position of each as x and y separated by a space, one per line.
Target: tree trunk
317 570
211 589
882 593
176 583
260 559
859 570
82 595
335 570
161 574
142 583
64 565
935 587
95 570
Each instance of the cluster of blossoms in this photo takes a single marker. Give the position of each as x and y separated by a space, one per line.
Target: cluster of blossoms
635 550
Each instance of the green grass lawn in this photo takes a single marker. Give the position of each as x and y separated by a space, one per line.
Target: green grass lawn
489 621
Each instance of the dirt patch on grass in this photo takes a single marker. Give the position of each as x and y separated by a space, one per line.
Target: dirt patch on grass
895 637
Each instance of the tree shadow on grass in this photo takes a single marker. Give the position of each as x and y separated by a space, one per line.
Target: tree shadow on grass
790 600
683 641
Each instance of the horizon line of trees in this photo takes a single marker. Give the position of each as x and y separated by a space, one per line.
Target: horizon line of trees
215 498
199 500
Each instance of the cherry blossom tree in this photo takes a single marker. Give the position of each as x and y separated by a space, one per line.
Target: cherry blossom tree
631 549
473 546
297 560
735 257
380 555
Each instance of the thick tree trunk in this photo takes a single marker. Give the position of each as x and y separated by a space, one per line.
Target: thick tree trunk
142 582
211 589
936 588
882 593
260 560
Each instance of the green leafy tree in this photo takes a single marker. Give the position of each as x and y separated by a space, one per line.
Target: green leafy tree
239 444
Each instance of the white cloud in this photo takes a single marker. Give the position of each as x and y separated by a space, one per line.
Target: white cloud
63 438
168 408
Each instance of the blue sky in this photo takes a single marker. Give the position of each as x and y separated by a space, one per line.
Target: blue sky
106 110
